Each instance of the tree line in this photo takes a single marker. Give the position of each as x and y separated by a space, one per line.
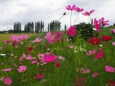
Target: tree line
37 26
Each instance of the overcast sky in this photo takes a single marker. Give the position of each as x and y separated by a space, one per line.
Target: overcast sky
35 10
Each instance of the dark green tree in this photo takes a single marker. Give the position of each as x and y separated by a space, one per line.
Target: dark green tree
17 27
29 27
55 25
65 27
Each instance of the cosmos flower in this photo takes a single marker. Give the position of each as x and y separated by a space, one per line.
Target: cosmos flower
6 69
71 31
97 25
106 38
39 76
79 9
95 74
91 52
103 22
99 54
88 13
113 43
109 69
8 81
37 40
22 69
57 64
30 48
94 41
73 7
113 31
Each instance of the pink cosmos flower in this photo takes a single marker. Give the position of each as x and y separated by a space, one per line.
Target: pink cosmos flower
109 69
34 62
113 43
8 81
15 38
70 47
53 37
37 40
25 36
29 57
103 22
7 41
99 54
113 31
95 74
97 25
48 35
71 31
22 69
88 13
91 52
71 7
39 76
79 9
1 78
22 57
86 71
61 58
6 69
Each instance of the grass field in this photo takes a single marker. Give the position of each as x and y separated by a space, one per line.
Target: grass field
75 67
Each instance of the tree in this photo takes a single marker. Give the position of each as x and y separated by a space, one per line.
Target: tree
29 27
114 24
65 27
17 27
48 27
37 27
55 26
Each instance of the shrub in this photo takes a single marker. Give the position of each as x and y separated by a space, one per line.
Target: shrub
86 31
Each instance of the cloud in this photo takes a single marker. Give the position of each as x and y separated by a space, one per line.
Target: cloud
35 10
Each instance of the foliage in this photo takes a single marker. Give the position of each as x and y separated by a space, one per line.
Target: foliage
17 27
86 31
55 25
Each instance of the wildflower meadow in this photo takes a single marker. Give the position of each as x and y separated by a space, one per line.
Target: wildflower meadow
60 58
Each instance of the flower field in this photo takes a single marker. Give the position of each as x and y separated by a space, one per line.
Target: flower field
54 59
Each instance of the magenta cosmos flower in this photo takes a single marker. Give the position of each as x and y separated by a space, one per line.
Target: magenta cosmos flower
88 13
99 54
69 7
57 64
95 74
8 81
97 25
79 9
103 22
22 69
48 58
71 31
39 76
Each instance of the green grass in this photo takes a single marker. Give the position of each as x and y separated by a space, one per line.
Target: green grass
66 75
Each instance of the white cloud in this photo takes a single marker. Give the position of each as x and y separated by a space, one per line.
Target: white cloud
35 10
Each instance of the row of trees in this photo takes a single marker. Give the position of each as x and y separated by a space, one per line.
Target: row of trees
38 26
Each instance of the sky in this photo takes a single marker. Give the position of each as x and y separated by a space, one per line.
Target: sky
47 10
